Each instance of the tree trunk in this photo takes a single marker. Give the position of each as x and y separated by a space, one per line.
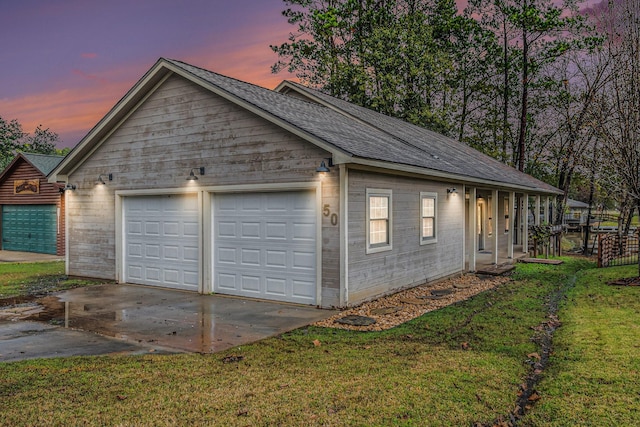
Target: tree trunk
525 98
505 93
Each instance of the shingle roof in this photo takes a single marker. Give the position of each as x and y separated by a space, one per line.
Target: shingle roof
45 163
366 134
577 204
453 156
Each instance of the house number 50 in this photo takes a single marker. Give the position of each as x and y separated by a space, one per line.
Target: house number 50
326 211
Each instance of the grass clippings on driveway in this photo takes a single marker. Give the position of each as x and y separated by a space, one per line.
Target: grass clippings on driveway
459 365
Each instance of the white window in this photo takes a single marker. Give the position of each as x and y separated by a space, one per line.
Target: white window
378 220
428 209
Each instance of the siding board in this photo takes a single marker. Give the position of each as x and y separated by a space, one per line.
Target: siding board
408 263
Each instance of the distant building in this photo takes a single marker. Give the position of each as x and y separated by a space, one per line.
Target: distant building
577 214
32 208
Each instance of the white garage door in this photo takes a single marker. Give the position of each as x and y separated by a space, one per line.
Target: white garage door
265 245
161 241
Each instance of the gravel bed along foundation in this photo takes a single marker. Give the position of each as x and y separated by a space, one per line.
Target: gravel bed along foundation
398 308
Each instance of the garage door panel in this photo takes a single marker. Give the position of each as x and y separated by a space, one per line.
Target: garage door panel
304 289
276 286
161 241
191 229
303 232
276 230
265 245
275 258
304 261
152 252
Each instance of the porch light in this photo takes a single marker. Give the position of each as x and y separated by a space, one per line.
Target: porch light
452 190
192 176
101 178
69 187
324 167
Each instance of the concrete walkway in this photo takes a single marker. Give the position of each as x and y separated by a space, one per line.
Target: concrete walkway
108 319
15 256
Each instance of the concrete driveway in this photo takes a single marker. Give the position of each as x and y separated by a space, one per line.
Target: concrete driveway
107 319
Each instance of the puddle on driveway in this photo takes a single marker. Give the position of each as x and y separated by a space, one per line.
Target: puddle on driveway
169 318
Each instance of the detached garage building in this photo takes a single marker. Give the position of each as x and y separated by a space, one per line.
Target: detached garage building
201 182
32 209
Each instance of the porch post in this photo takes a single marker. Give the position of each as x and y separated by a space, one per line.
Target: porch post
536 218
473 229
494 225
465 223
511 204
547 218
525 223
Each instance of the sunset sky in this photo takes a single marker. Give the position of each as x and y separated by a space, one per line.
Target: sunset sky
65 63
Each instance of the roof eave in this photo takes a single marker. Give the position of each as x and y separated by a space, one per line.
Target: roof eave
445 176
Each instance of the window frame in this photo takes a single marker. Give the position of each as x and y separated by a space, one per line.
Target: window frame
379 247
428 239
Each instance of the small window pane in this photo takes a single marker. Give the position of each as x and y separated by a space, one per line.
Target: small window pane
378 208
427 227
378 232
428 207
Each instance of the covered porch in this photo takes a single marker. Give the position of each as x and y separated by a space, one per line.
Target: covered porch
497 224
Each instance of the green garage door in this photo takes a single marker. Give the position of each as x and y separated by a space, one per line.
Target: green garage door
29 228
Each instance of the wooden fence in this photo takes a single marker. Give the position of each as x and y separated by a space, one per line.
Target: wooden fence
617 250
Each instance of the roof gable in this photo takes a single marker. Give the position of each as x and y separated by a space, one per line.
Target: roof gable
45 163
42 163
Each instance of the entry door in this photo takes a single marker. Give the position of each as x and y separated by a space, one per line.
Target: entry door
161 241
265 245
480 219
30 228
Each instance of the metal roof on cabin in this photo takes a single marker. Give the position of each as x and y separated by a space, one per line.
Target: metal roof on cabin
45 163
577 204
371 135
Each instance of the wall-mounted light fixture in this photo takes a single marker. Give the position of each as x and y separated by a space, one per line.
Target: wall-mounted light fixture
452 190
324 166
192 176
69 187
102 176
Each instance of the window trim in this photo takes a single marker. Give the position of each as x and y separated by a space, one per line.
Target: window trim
429 240
379 247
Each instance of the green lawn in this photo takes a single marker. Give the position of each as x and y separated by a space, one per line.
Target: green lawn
453 367
35 279
594 375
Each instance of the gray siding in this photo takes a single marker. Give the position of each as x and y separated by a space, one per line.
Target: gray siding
182 126
408 263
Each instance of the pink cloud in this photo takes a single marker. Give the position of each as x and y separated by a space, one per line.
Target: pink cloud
88 76
89 55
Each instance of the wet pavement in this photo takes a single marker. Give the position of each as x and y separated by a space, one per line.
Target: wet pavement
136 319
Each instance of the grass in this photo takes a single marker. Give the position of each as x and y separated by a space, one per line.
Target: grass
594 375
22 279
456 366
